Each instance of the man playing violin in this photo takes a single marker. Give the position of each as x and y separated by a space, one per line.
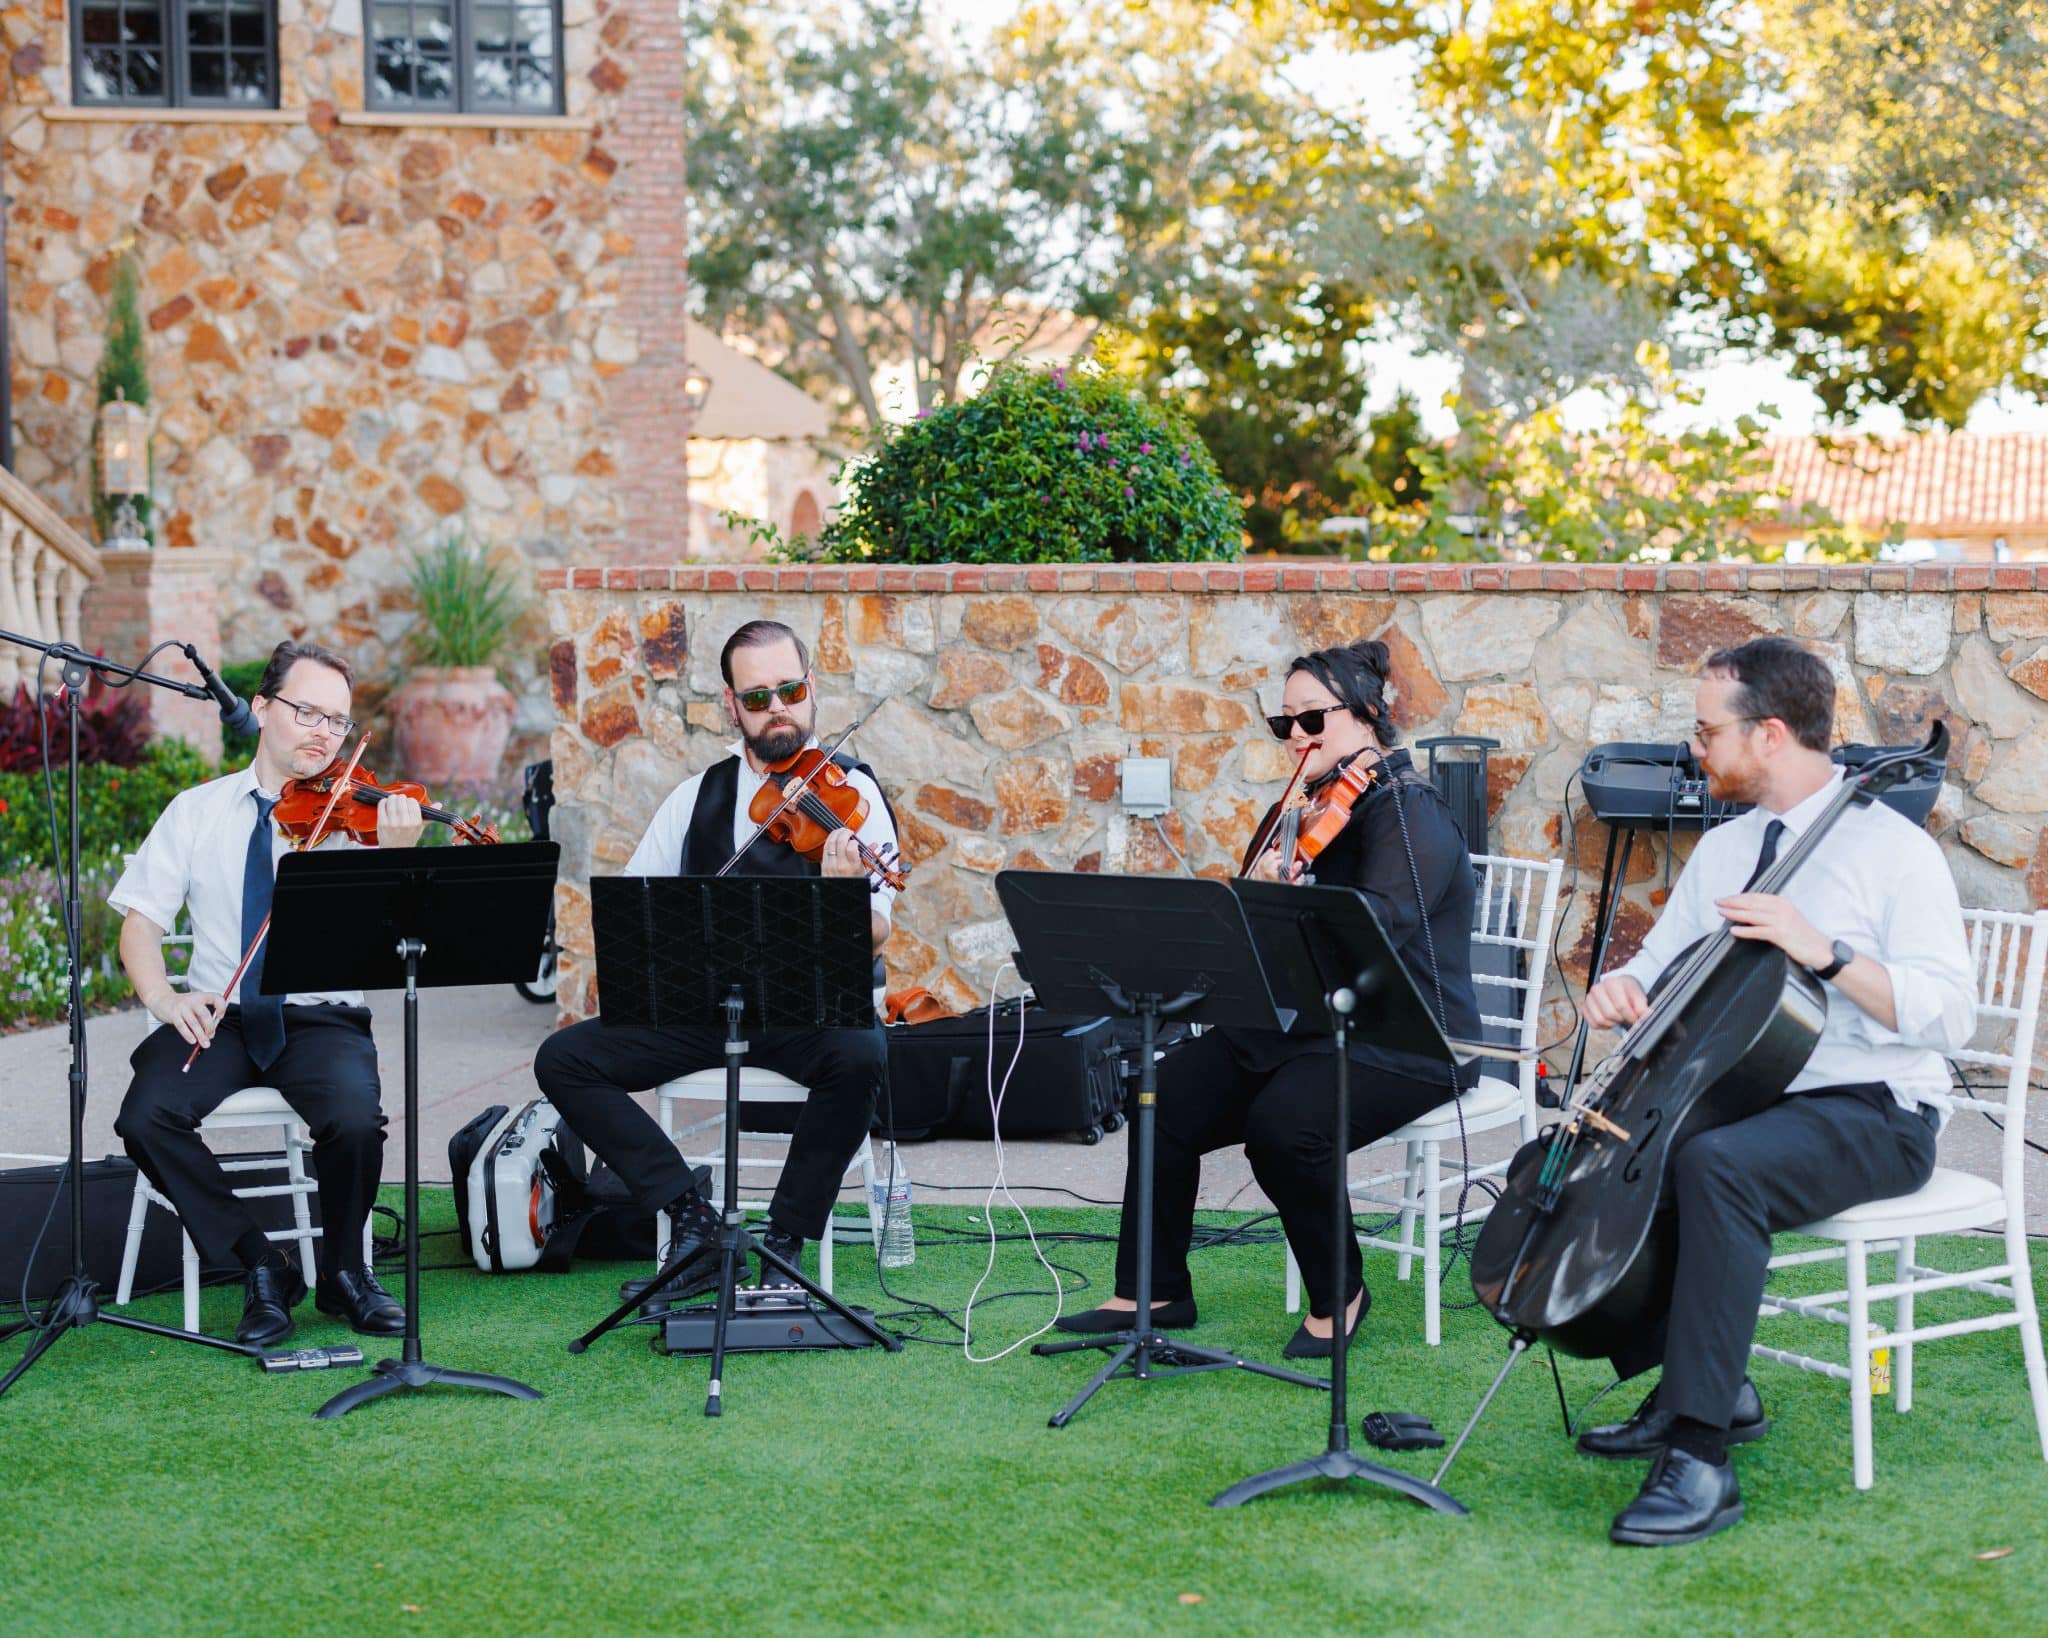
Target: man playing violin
1403 849
1874 915
591 1070
213 852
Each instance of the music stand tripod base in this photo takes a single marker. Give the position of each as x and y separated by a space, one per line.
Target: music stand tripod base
390 1375
1340 1465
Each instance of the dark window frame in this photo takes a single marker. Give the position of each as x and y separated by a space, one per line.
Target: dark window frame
462 67
174 45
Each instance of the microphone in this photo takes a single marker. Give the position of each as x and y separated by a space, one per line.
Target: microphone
235 715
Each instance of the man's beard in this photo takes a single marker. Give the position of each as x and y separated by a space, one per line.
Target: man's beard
1733 788
778 744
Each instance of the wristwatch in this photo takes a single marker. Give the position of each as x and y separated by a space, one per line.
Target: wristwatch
1843 955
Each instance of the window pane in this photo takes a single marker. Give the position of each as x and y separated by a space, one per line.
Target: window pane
392 22
99 76
492 30
493 82
143 25
534 28
394 71
205 27
249 77
144 77
100 25
206 74
248 26
534 86
434 81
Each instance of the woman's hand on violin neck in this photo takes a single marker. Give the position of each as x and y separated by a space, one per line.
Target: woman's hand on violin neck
1266 867
195 1017
399 821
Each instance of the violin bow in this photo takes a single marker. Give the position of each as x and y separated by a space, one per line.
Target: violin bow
1264 834
795 790
312 841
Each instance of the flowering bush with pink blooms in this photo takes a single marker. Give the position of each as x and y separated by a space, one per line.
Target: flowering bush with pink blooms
1052 466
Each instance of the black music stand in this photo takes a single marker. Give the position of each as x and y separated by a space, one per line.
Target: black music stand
697 952
409 918
1330 959
1195 961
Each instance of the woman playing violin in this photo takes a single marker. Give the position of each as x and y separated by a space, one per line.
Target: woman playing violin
1399 846
590 1070
213 851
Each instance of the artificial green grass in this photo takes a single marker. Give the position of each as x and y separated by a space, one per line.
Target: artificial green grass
153 1486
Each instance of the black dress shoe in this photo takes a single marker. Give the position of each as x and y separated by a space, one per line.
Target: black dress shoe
353 1294
790 1248
1649 1430
1177 1315
1684 1499
273 1291
1305 1344
693 1279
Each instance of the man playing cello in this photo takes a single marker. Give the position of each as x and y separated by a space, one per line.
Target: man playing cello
213 851
1874 915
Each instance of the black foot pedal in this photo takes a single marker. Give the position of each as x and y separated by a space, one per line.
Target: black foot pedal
1401 1430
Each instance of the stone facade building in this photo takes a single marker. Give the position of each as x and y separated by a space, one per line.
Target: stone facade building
390 286
1005 699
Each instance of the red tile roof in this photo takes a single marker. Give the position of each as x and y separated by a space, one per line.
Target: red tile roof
1935 483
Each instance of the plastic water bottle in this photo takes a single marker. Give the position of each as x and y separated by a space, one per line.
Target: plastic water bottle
889 1210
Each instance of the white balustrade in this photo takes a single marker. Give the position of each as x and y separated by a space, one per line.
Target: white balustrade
45 566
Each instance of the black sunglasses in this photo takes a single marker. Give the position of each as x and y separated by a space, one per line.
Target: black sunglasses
1311 721
790 693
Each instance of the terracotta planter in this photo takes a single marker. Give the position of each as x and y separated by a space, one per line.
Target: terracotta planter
453 723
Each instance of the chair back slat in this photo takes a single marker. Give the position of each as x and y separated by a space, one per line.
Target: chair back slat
1519 894
2009 955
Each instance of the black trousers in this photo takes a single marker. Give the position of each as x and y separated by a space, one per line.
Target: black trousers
590 1070
327 1073
1208 1100
1807 1156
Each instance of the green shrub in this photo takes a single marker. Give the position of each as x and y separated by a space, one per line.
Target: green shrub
116 806
33 986
1042 467
242 677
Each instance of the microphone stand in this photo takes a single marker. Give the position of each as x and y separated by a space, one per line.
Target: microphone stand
75 1304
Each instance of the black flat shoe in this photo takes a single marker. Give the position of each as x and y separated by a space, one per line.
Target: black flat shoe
1647 1432
1177 1315
353 1294
1684 1499
272 1291
1305 1344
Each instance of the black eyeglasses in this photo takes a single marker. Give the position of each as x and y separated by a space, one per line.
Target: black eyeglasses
310 716
1311 721
790 693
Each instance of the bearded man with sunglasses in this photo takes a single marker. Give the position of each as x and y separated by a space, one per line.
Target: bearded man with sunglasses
213 853
1403 850
591 1070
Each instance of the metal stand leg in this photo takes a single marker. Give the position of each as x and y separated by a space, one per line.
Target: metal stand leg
1338 1460
1141 1352
412 1371
1612 879
1517 1347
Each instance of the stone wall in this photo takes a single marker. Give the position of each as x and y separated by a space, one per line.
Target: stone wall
363 328
1006 699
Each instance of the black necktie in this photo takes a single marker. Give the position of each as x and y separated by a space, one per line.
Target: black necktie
1769 851
262 1015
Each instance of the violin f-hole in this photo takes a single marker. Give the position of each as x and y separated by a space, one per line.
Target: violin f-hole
1653 1121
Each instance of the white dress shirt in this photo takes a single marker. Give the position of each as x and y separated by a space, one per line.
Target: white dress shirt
660 852
1879 883
193 858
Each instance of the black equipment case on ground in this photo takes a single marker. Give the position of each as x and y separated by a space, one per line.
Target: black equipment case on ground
109 1192
1068 1080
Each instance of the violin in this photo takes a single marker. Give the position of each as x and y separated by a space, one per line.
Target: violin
829 802
302 803
1304 832
1576 1250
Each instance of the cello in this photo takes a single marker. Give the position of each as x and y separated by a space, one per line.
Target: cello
1577 1251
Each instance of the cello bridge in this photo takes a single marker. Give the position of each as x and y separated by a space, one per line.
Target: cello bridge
1588 1116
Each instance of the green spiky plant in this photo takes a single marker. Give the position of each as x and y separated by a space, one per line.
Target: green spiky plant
467 605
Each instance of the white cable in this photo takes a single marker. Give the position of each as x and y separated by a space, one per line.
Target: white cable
995 1120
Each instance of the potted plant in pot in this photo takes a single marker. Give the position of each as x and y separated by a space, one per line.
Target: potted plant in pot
453 717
